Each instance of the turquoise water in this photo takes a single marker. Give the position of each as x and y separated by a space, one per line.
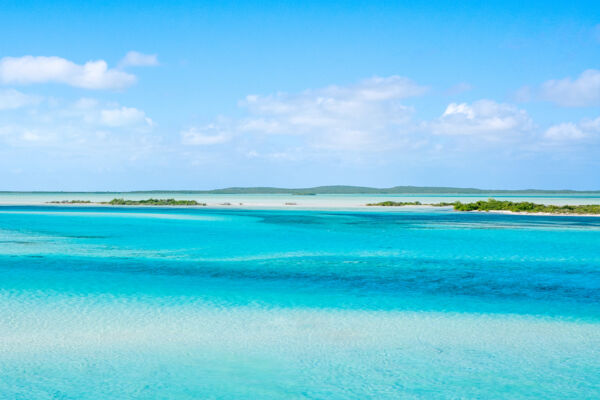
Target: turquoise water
151 303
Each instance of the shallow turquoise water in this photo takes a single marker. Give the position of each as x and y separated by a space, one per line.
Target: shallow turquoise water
237 304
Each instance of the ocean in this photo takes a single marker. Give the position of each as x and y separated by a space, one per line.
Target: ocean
234 303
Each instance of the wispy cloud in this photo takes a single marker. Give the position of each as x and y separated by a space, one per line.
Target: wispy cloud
372 122
585 131
483 118
579 92
205 136
125 116
565 131
458 89
11 99
335 117
40 69
136 59
363 120
89 125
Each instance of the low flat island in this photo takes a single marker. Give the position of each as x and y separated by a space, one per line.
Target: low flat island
490 205
123 202
522 207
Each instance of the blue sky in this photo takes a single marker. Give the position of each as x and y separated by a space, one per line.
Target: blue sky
198 95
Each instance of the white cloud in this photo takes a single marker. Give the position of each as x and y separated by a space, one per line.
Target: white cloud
564 131
583 91
91 75
573 133
29 136
592 125
125 116
208 135
85 122
483 118
335 117
94 113
11 99
261 125
136 59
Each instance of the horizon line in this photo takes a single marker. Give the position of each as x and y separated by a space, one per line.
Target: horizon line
322 189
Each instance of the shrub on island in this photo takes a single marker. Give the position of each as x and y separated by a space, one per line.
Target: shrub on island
153 202
526 207
69 202
395 203
503 205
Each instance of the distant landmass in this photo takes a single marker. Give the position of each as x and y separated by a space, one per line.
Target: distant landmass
339 189
369 190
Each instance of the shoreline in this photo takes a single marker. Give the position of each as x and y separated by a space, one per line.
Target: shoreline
541 214
216 206
296 207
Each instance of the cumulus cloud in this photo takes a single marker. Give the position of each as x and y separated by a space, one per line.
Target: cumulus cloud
136 59
583 91
124 116
483 118
336 116
91 75
205 136
11 99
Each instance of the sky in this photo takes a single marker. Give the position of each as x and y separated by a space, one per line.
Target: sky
184 95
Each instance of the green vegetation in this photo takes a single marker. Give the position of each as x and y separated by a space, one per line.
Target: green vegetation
408 203
153 202
70 202
499 205
526 207
395 203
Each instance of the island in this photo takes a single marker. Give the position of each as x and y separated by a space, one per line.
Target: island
153 202
527 207
70 202
524 207
408 203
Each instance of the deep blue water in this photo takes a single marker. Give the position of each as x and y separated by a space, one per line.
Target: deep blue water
238 304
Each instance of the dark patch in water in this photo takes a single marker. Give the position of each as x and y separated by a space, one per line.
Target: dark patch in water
86 236
389 277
